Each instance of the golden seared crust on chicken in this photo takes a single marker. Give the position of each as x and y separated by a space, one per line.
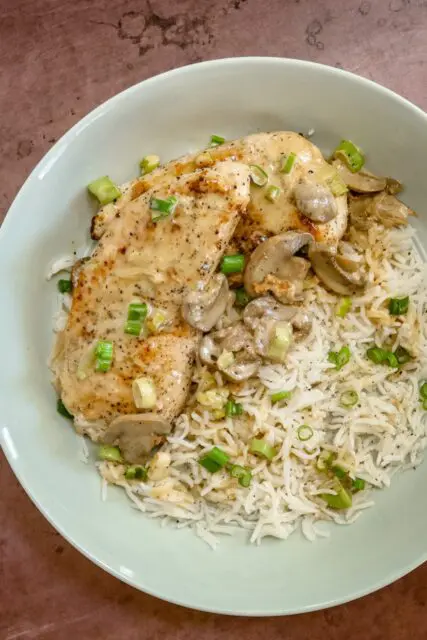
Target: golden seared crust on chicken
141 260
264 218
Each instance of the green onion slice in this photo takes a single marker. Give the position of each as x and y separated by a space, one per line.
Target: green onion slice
104 190
148 164
280 395
242 297
112 454
244 476
423 390
133 327
339 358
260 447
305 432
216 140
351 155
349 398
398 306
382 356
162 208
343 307
104 355
136 472
214 460
425 405
62 409
137 313
272 193
258 176
287 163
65 286
358 484
233 409
233 264
337 186
339 471
342 500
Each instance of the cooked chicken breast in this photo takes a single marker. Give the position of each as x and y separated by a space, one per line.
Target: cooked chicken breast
157 262
264 217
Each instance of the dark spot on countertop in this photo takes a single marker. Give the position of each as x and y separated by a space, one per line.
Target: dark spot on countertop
59 549
364 8
24 148
314 28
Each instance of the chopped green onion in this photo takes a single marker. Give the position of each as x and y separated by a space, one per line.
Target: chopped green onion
244 476
260 447
337 186
137 311
133 327
343 307
398 306
214 460
216 140
136 472
280 341
148 164
425 405
339 471
351 155
62 409
349 398
280 395
423 391
104 190
358 484
325 460
104 355
65 286
258 176
112 454
272 193
382 356
144 393
233 409
342 500
339 358
287 162
242 297
233 264
162 208
403 356
305 432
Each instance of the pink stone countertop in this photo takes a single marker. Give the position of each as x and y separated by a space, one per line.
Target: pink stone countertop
58 60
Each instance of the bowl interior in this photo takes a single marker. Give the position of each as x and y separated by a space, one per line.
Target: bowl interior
171 115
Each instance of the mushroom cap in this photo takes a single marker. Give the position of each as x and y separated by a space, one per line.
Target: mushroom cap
315 201
273 267
136 434
337 271
363 181
203 308
382 208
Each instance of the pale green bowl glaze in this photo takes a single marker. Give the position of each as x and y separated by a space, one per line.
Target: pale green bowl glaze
170 115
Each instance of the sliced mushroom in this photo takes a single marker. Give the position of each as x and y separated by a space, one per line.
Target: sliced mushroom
242 369
203 308
209 351
267 307
330 267
393 186
136 434
235 338
274 268
315 201
382 208
363 181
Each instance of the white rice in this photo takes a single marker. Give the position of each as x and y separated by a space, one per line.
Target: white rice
384 433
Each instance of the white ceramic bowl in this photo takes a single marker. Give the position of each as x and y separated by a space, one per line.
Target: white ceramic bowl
170 115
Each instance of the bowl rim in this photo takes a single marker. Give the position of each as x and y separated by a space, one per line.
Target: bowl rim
40 169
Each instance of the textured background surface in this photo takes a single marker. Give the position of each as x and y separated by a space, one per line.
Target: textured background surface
58 60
